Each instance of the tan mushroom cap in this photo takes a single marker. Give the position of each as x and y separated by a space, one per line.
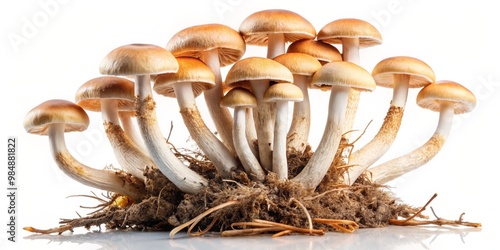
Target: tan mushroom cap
419 72
190 70
431 95
38 120
138 59
283 92
239 97
257 68
344 74
334 31
190 42
89 95
256 27
323 52
299 63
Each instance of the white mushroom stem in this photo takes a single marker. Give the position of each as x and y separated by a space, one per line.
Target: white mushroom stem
181 176
101 179
130 130
350 53
380 144
320 162
280 165
221 116
130 157
264 118
245 154
250 132
223 160
399 166
298 134
275 45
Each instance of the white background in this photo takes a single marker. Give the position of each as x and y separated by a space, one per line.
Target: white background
49 48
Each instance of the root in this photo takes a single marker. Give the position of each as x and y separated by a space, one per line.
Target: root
345 226
264 226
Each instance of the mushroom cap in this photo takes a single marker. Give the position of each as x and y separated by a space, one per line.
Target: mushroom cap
323 52
420 73
299 63
239 97
191 70
192 41
138 59
283 92
257 68
431 95
38 119
256 27
343 74
89 95
334 31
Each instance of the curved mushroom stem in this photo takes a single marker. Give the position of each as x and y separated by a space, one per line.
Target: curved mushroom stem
264 118
399 166
223 160
221 116
275 45
280 165
250 132
380 144
320 162
181 176
101 179
130 130
298 134
245 154
350 53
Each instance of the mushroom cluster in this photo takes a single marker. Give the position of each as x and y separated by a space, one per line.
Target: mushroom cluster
258 137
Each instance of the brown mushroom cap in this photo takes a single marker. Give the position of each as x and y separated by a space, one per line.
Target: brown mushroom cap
239 97
190 70
344 74
299 63
138 59
38 119
257 68
420 73
323 52
431 95
190 42
334 31
89 95
256 27
283 92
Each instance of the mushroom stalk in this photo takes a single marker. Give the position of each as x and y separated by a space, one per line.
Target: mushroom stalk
101 179
250 131
280 165
264 118
350 53
298 134
130 130
320 162
394 168
276 45
184 178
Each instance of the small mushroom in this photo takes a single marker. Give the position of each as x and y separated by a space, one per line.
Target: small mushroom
342 77
144 60
241 100
192 78
323 52
446 97
281 94
56 117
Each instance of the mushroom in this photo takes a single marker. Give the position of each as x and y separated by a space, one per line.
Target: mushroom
342 77
275 28
255 73
56 117
192 78
143 60
108 95
216 45
302 66
242 99
446 97
399 73
281 94
323 52
353 34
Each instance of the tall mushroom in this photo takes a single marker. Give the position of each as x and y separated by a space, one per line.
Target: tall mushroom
242 99
56 117
192 78
323 52
281 94
302 66
255 73
399 73
342 77
143 60
217 46
274 28
446 97
353 34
